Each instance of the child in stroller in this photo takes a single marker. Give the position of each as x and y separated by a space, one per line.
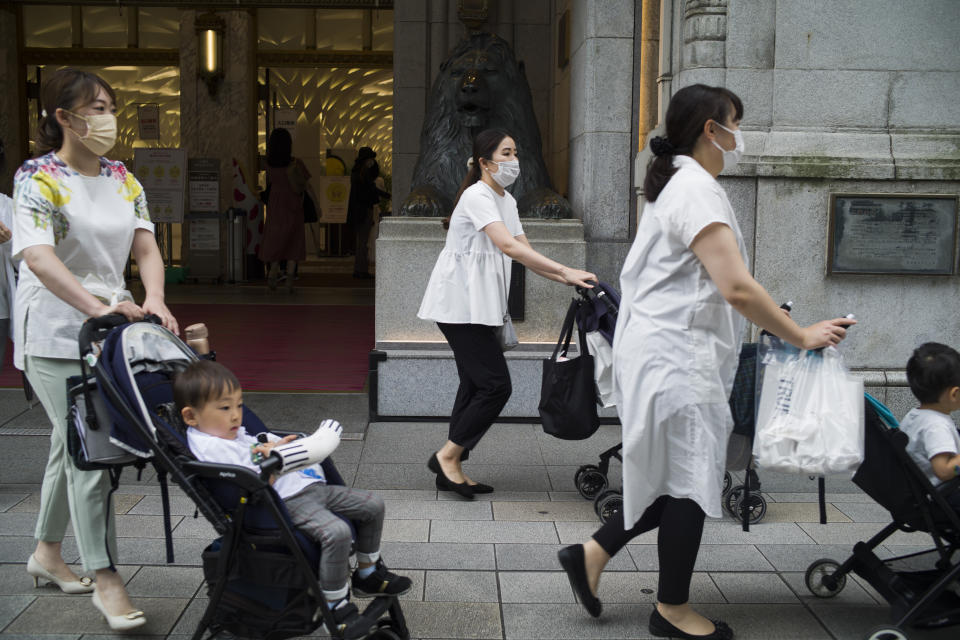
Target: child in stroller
210 402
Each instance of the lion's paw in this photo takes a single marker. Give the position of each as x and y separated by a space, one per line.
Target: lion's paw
545 204
425 202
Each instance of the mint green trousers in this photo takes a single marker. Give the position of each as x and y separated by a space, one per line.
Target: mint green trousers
69 494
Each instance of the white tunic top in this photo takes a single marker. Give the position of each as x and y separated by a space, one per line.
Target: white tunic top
675 350
90 222
470 280
931 433
208 448
8 282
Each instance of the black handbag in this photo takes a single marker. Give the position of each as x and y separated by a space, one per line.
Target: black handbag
568 396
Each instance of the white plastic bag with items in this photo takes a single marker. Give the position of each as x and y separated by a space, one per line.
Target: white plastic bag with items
810 414
602 354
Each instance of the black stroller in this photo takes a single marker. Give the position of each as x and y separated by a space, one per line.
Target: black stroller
261 573
918 593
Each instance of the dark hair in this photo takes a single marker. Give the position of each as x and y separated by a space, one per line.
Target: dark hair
484 146
689 110
201 382
279 148
66 89
932 369
3 156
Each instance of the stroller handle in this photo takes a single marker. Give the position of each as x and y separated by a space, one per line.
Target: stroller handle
596 293
96 329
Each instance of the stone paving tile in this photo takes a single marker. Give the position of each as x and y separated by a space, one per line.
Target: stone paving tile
538 587
11 500
18 524
190 617
543 557
865 512
407 494
70 615
19 548
461 586
768 621
153 551
755 588
42 636
797 557
349 474
190 527
151 505
10 487
406 531
499 496
571 622
493 531
566 452
169 582
856 621
403 442
712 557
834 498
453 620
348 452
129 526
15 581
11 607
800 512
852 532
568 496
641 587
773 482
544 511
394 476
852 593
442 556
438 510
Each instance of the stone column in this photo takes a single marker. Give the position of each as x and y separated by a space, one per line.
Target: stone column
649 29
223 125
12 100
412 73
601 98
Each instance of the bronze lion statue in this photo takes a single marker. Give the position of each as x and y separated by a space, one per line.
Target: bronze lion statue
481 85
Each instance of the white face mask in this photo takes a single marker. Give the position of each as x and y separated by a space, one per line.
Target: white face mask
101 132
507 173
732 157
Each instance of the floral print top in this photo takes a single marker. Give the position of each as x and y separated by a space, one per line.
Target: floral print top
90 222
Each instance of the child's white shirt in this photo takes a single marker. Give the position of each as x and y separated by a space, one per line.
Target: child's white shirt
208 448
931 433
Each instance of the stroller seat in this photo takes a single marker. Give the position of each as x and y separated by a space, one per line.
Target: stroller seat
261 572
917 596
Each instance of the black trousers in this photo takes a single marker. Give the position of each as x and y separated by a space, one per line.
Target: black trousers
678 542
484 382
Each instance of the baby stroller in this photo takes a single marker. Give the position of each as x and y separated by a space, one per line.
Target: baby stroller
917 596
597 318
261 572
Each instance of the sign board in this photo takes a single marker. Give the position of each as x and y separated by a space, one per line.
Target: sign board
204 185
162 172
334 194
148 115
204 234
285 119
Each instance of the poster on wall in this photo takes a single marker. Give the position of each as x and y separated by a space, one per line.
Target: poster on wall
162 172
285 119
334 194
148 117
204 185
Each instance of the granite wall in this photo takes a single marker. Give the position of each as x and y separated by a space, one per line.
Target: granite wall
10 106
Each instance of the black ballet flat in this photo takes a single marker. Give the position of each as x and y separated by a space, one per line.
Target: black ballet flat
574 564
663 628
434 465
481 488
444 483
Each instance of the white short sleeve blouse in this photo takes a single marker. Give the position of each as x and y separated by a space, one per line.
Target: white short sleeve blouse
470 280
8 283
90 222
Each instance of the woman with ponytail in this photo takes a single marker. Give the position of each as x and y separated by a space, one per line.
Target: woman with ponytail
78 216
686 296
467 298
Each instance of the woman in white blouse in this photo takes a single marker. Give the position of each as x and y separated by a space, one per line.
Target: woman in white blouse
467 298
8 282
78 216
686 296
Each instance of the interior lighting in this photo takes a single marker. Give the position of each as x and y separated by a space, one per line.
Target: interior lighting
210 30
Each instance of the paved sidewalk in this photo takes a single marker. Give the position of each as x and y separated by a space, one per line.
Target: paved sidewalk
488 568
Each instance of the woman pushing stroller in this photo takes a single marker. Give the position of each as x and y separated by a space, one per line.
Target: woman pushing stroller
686 296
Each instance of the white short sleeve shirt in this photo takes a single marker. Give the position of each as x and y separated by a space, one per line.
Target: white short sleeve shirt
470 280
931 433
8 283
90 222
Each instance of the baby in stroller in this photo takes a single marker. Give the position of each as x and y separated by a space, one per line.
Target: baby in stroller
933 373
209 399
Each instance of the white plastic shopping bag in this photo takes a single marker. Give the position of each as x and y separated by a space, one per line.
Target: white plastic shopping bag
810 414
602 354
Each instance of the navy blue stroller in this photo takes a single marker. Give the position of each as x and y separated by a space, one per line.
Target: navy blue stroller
261 572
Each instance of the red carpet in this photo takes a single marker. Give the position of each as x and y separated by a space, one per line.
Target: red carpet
279 347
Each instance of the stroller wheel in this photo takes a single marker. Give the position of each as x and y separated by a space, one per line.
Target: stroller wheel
822 580
590 481
727 481
756 508
608 504
731 501
886 633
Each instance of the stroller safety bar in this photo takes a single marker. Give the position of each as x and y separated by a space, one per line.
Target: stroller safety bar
241 476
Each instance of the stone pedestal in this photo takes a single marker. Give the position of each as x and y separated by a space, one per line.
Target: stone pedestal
412 370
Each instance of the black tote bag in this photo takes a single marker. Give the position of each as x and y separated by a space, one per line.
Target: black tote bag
568 397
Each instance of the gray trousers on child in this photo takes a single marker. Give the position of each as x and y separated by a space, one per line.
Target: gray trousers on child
315 511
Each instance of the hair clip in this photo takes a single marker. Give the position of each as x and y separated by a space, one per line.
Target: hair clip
470 163
43 113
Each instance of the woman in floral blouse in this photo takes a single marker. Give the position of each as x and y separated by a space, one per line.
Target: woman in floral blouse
77 218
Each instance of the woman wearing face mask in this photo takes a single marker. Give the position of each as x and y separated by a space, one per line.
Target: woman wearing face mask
467 298
78 217
687 293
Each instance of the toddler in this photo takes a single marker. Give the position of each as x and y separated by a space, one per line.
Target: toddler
933 372
210 401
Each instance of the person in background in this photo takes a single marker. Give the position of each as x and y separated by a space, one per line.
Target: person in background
78 217
8 278
364 195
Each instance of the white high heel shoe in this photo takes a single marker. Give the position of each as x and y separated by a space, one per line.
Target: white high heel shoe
125 622
35 569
